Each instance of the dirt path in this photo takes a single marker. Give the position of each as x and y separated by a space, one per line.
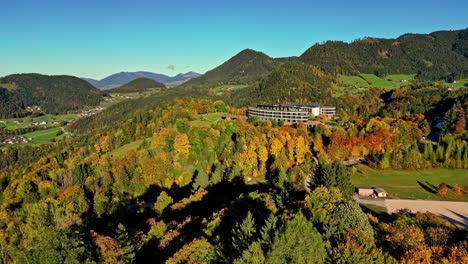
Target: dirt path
455 212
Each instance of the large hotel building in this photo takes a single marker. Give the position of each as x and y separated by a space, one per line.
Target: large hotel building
290 112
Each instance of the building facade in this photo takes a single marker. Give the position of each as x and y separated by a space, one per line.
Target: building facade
278 113
313 108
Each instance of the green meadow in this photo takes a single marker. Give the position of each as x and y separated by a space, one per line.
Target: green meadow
26 121
412 184
208 119
228 88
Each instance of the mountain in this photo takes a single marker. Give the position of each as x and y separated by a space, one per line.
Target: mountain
434 56
122 78
137 85
247 67
53 94
94 82
292 81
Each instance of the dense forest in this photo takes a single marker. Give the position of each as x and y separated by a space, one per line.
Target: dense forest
246 67
157 187
436 56
53 94
137 85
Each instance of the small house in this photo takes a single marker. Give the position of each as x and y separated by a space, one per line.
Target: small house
365 191
381 193
372 192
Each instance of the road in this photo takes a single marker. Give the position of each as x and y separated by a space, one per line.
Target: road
454 212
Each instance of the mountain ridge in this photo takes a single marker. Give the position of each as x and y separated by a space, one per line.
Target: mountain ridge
54 94
137 85
121 78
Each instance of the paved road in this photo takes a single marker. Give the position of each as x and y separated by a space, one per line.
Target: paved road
455 212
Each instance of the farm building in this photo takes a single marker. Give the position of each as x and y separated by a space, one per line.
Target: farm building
380 192
365 191
374 192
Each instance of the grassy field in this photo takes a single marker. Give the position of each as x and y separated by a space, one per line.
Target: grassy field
132 145
228 88
412 184
9 86
26 121
399 77
41 137
356 81
460 83
350 84
375 81
208 119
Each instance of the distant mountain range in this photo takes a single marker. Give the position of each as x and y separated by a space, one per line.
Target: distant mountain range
122 78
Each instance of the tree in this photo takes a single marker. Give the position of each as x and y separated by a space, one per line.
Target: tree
350 215
243 233
297 243
442 190
333 175
456 189
252 255
181 144
162 202
197 251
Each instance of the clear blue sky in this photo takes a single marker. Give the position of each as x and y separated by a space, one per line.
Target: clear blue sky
100 37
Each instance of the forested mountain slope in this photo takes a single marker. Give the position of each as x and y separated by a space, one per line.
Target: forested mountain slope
53 94
137 85
247 67
439 55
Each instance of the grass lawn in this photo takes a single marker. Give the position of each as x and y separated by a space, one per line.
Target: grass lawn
132 145
26 121
228 88
208 119
460 83
42 136
399 77
356 81
9 86
377 82
412 184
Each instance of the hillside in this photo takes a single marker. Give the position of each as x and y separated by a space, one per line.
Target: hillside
137 85
291 81
53 94
435 56
247 67
122 78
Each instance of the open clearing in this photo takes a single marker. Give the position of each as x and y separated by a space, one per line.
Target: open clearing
454 212
412 184
208 119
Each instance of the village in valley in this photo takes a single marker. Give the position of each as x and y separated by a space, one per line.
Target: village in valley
39 128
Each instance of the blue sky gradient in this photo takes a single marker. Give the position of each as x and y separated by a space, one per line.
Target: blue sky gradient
97 38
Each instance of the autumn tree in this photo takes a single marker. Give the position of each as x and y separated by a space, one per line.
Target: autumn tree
442 190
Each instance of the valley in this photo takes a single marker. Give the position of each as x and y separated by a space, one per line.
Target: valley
334 148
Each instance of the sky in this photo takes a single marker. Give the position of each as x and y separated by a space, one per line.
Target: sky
100 37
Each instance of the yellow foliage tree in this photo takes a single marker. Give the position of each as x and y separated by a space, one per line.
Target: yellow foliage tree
181 144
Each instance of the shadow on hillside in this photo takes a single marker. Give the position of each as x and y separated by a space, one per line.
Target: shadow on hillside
428 187
230 195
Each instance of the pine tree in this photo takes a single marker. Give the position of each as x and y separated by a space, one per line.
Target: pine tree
243 233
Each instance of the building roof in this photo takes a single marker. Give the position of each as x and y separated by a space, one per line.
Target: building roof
379 190
301 104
